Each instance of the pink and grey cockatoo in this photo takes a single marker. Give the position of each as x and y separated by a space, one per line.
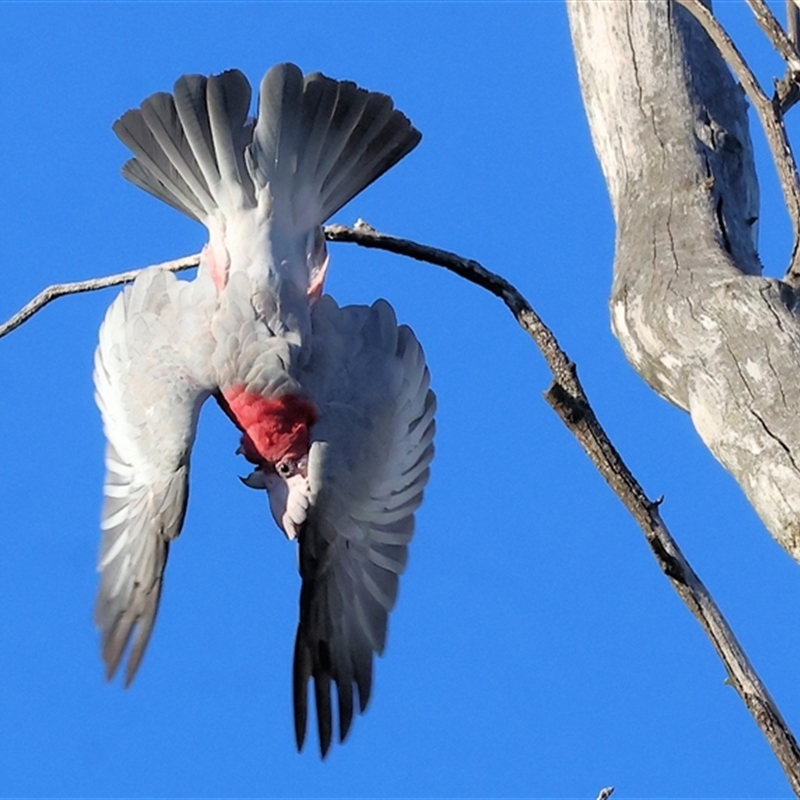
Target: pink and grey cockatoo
333 404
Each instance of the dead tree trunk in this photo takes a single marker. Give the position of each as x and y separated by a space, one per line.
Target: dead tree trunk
689 305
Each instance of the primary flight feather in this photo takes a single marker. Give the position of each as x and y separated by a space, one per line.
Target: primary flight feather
333 404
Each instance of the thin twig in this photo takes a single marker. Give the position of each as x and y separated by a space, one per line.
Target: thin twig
787 89
771 121
568 399
768 23
91 285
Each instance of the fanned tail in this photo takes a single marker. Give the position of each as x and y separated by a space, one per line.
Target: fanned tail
316 144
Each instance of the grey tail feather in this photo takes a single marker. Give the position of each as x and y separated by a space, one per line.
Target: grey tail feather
189 146
322 139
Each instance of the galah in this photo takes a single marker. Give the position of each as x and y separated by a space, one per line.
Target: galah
333 403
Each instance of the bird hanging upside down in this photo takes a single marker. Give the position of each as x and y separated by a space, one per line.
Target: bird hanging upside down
333 404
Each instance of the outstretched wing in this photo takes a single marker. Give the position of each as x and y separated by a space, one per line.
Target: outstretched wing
149 392
368 464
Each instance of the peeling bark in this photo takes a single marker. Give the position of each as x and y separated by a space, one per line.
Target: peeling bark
689 306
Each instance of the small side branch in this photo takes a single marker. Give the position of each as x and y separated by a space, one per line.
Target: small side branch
768 113
92 285
787 89
775 33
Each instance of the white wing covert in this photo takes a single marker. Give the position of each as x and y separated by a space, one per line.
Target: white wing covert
149 385
367 468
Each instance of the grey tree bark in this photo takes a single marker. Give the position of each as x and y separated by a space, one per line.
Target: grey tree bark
689 306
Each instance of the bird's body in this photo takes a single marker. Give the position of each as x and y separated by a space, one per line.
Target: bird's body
333 404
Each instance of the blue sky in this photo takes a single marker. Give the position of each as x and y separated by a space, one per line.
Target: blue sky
535 650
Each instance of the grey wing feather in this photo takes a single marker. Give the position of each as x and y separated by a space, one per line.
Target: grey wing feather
132 559
149 393
368 465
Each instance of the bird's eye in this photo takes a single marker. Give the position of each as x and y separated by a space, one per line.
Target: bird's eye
285 468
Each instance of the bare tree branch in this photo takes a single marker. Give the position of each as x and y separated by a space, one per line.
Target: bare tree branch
771 121
569 401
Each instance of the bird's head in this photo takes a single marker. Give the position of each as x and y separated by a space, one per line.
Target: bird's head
275 438
287 491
